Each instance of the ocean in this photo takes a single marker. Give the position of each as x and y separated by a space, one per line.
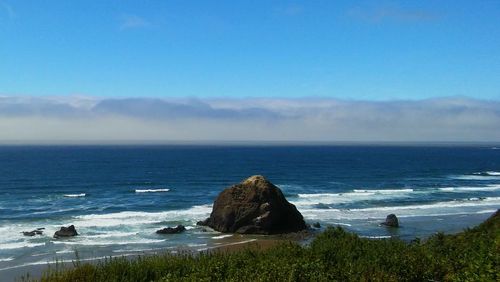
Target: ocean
118 196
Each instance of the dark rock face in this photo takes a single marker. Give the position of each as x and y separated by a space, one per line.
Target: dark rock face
391 221
66 232
37 231
171 230
254 206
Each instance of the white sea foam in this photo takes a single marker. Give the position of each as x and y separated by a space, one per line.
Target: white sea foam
376 237
112 235
19 245
6 259
470 189
151 190
490 173
196 245
75 195
475 177
86 242
456 207
222 236
349 197
133 218
65 251
384 191
449 204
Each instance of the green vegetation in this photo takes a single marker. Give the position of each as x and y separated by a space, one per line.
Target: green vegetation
334 255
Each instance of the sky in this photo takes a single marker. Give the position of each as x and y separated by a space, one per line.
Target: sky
290 70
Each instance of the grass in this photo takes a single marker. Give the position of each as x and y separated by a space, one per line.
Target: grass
334 255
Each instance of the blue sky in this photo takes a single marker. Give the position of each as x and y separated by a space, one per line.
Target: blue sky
354 50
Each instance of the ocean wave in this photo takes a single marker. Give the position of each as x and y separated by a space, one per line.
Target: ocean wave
113 235
132 218
470 189
488 173
349 197
19 245
6 259
384 191
86 242
151 190
455 207
75 195
448 204
480 177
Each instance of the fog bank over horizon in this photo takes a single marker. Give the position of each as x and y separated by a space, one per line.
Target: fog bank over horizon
143 120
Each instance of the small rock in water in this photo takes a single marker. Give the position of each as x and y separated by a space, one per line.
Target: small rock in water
66 232
172 230
391 221
38 231
316 225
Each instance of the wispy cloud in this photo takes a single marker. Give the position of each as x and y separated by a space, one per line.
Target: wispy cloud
391 13
129 21
8 10
141 119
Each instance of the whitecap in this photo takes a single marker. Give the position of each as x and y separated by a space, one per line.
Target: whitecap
6 259
151 190
474 177
75 195
384 191
470 189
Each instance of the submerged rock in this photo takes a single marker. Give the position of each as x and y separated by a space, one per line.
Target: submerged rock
254 206
66 232
391 221
171 230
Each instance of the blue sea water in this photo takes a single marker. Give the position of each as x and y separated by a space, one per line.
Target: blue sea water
118 196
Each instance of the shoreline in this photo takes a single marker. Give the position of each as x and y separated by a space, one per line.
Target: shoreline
231 244
330 241
264 242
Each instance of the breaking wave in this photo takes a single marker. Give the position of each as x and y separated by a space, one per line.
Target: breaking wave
151 190
75 195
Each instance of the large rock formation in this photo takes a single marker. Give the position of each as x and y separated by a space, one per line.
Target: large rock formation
254 206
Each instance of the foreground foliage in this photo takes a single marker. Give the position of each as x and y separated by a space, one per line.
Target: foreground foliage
334 255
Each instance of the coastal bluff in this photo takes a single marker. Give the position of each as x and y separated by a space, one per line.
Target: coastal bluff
254 206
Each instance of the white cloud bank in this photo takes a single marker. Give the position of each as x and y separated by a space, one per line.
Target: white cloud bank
137 120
